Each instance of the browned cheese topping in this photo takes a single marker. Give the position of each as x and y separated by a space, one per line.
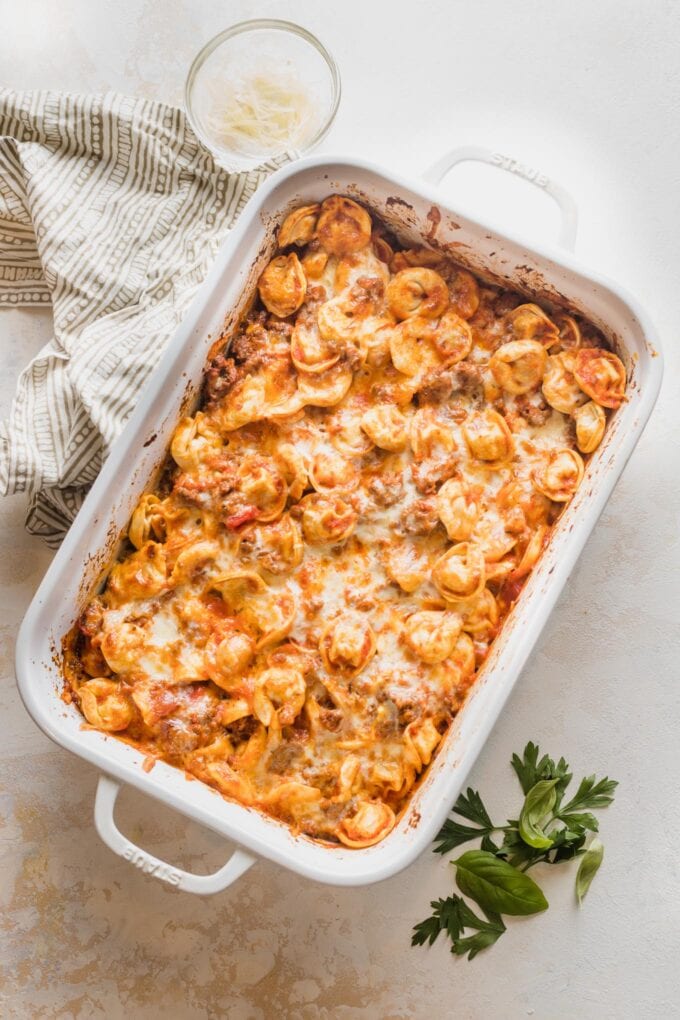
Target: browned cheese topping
376 467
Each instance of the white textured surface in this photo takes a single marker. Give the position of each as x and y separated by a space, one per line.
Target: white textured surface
590 93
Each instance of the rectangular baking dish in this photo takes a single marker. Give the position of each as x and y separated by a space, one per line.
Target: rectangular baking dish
416 212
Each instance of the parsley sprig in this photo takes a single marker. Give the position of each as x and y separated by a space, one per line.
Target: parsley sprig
548 830
453 916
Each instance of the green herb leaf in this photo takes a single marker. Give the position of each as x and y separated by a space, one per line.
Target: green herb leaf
495 876
579 822
526 767
496 886
452 834
445 917
590 863
592 793
489 845
452 916
469 805
538 803
487 933
531 769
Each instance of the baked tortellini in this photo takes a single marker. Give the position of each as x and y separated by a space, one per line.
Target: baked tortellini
104 705
431 634
343 226
460 573
329 471
347 643
560 387
147 521
370 823
386 426
228 656
299 226
381 453
458 509
560 475
488 437
529 322
278 696
283 285
327 518
518 366
263 486
590 422
407 565
601 375
417 291
194 439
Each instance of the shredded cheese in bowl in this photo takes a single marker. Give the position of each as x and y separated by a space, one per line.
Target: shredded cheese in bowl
259 90
261 113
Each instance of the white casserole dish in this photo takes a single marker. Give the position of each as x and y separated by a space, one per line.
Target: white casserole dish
415 211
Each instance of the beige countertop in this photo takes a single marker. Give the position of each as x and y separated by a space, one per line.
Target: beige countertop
590 93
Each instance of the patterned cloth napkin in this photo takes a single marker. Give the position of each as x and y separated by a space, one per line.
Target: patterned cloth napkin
111 210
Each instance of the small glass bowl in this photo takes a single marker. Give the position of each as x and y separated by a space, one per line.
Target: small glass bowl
261 45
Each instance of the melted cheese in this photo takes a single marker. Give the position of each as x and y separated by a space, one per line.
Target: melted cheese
272 663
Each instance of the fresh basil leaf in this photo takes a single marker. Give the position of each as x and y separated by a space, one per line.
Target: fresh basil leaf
587 869
496 886
538 803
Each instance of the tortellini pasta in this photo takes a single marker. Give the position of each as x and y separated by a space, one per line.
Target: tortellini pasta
488 437
590 425
228 656
432 634
460 573
601 375
278 696
283 285
518 366
458 510
386 426
343 226
105 706
299 226
407 565
347 643
327 518
417 291
370 823
263 485
560 475
529 322
330 471
560 387
147 521
381 454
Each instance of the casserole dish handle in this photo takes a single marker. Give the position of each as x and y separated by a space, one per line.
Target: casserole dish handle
204 885
477 154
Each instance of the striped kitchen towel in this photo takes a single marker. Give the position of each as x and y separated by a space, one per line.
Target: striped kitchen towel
111 210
